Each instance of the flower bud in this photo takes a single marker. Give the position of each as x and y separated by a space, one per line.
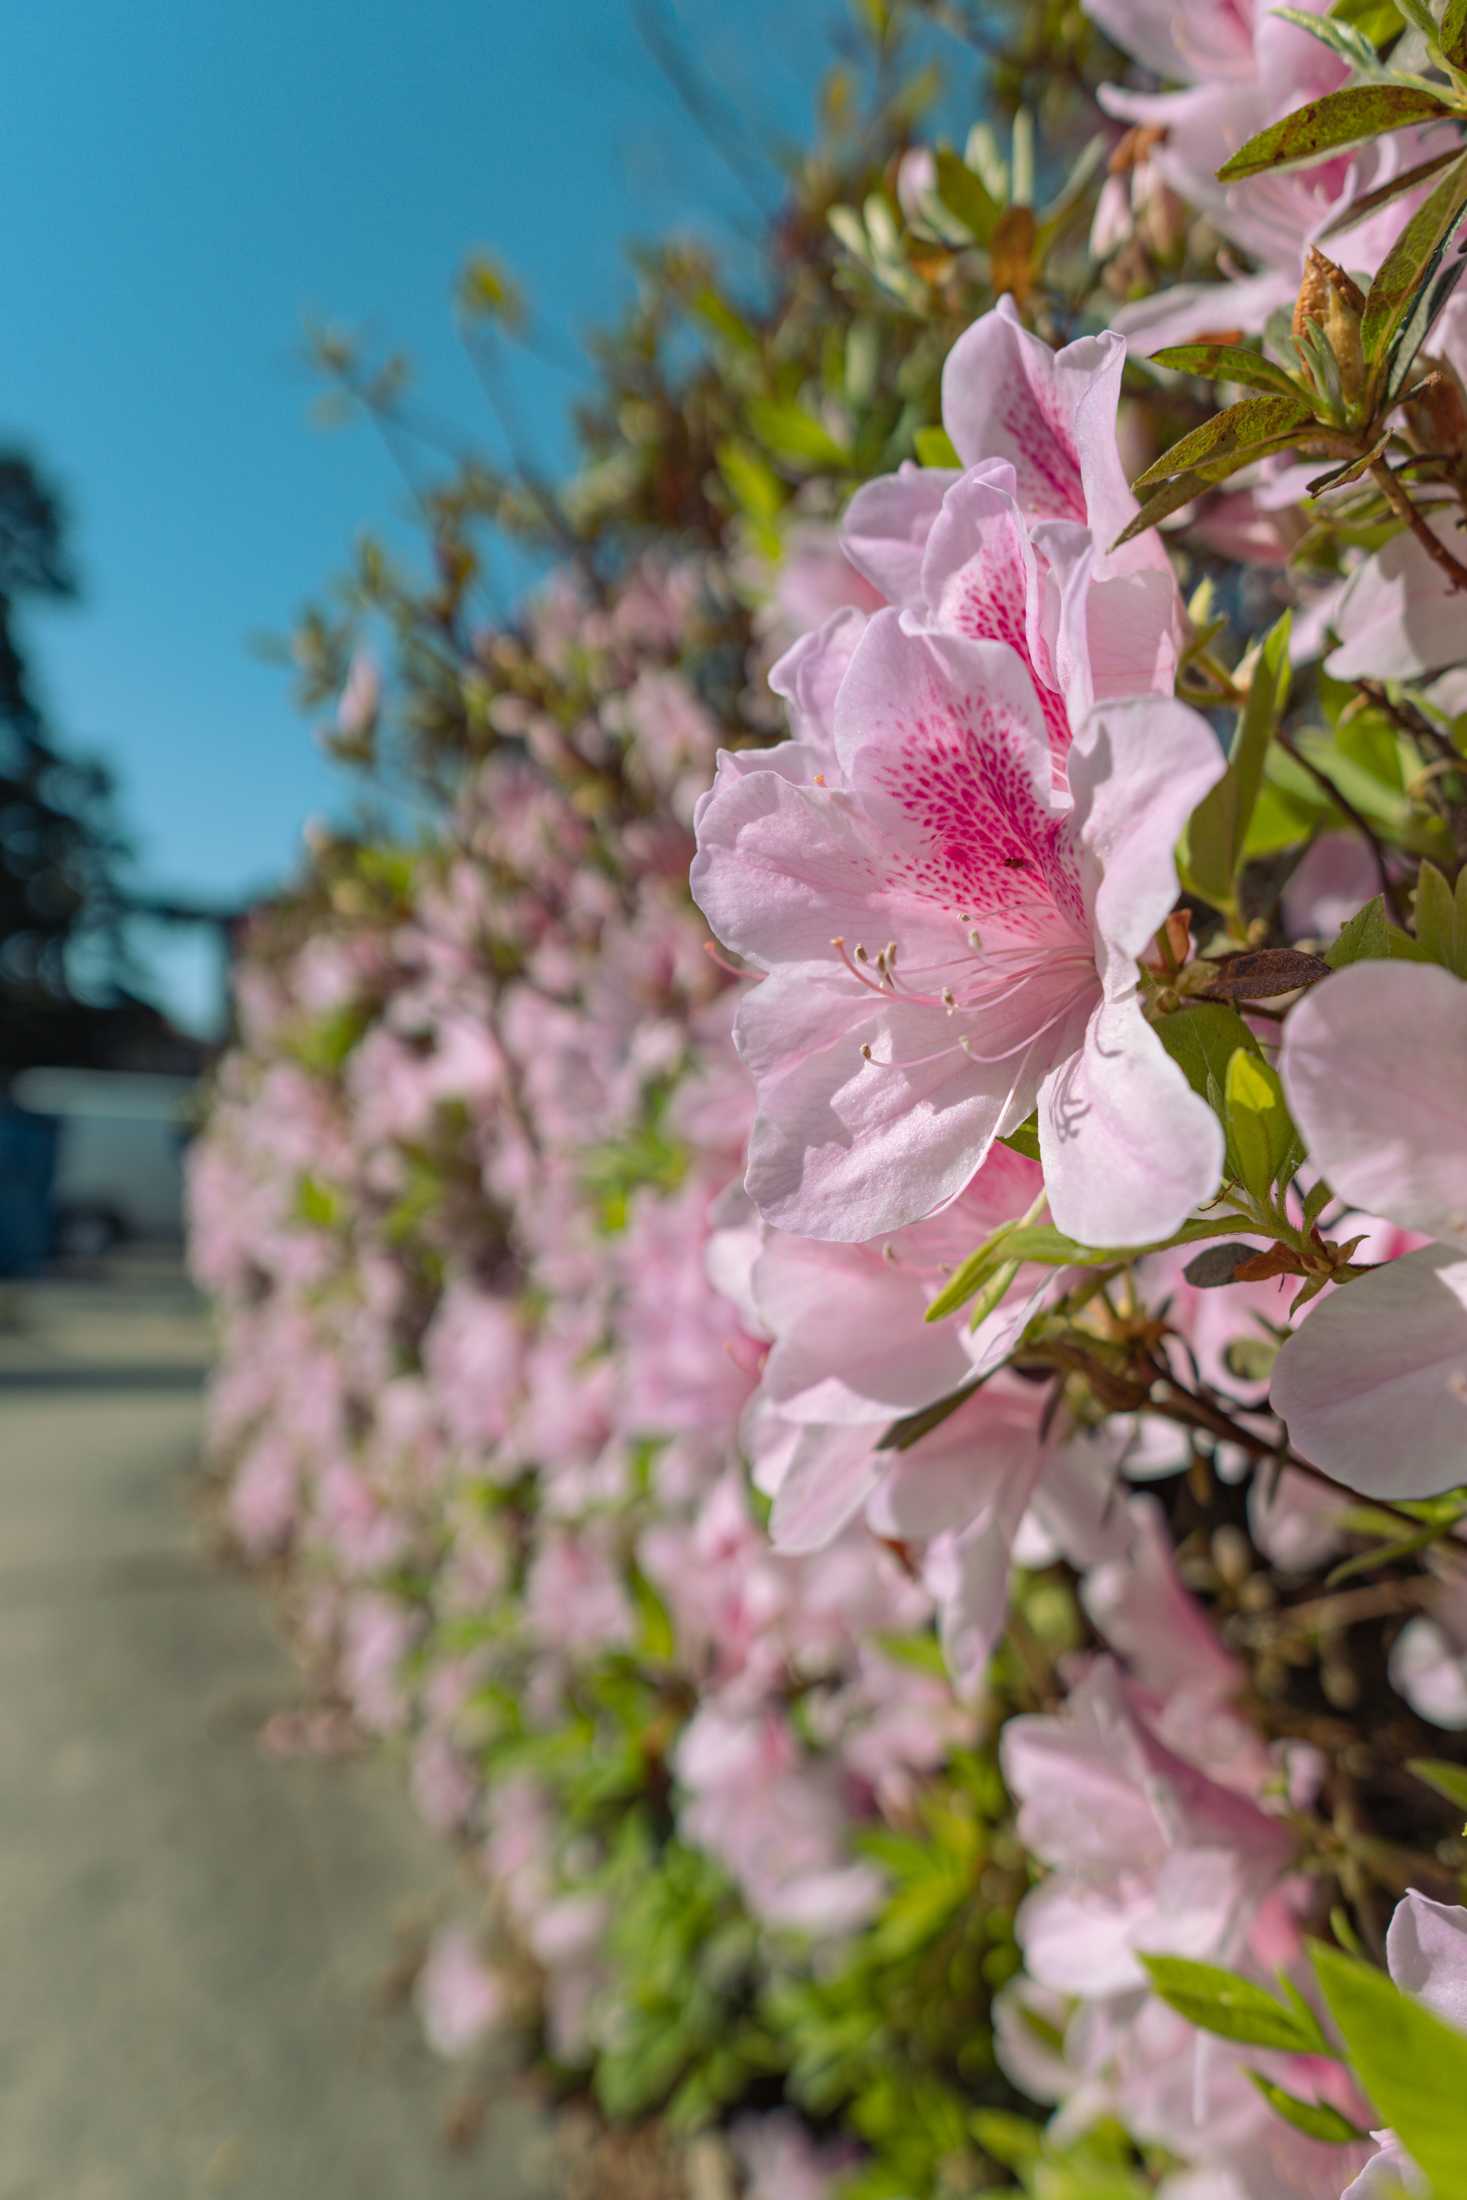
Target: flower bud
1438 413
1334 303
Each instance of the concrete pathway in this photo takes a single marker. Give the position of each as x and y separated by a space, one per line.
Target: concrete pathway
193 1936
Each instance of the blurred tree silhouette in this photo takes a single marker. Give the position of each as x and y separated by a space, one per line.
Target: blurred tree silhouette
58 845
64 967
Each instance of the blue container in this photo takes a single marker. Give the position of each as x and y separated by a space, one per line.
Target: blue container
27 1175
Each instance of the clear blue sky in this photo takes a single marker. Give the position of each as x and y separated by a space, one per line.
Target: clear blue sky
185 182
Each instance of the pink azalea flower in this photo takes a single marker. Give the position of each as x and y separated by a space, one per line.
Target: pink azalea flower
776 1819
1374 1384
949 941
1148 1854
459 1998
1238 67
1429 1665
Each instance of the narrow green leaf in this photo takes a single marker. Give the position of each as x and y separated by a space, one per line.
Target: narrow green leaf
1380 20
970 1275
965 194
1025 1139
1261 1135
1233 2007
1243 427
723 319
1052 1249
751 480
1452 37
912 1427
1412 2064
1421 317
1162 504
1449 1780
1351 116
1350 44
1227 363
795 435
1218 830
1411 260
1316 2119
1370 936
1438 923
935 448
1371 202
1202 1040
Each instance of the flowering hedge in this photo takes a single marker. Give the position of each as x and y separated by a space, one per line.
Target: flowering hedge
885 1436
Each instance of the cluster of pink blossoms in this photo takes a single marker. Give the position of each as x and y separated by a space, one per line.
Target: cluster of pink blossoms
598 1350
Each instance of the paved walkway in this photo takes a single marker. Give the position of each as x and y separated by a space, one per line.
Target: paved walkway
193 1936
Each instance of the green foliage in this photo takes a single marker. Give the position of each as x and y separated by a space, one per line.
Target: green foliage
1263 1148
1245 431
1411 260
1412 2065
1351 116
1228 363
1441 919
1217 834
1371 936
1233 2007
1448 1780
964 193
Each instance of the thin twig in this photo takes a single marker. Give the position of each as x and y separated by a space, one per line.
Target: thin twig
1401 504
1361 824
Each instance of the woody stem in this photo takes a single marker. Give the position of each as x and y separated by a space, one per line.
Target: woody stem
1401 504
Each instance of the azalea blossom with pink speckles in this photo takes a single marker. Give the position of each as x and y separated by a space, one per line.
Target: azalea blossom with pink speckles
949 940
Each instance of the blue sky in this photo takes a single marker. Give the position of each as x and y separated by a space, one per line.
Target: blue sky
185 183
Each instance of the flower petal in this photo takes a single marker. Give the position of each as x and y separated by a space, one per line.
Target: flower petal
1375 1067
1374 1384
1129 1149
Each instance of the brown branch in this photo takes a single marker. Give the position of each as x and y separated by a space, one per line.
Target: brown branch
1361 824
1414 518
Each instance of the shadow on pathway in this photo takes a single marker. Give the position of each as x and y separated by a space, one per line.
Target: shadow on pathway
193 1935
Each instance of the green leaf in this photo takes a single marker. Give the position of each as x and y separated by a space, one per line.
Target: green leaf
1163 503
1316 2119
1233 2007
965 194
935 448
317 1204
1261 1135
1202 1039
1380 20
1052 1249
1452 36
1025 1139
795 435
912 1427
1441 918
1420 319
1371 202
1411 260
1351 116
752 482
723 319
1227 363
1218 831
970 1275
1412 2064
1242 428
1350 43
1370 936
1449 1780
